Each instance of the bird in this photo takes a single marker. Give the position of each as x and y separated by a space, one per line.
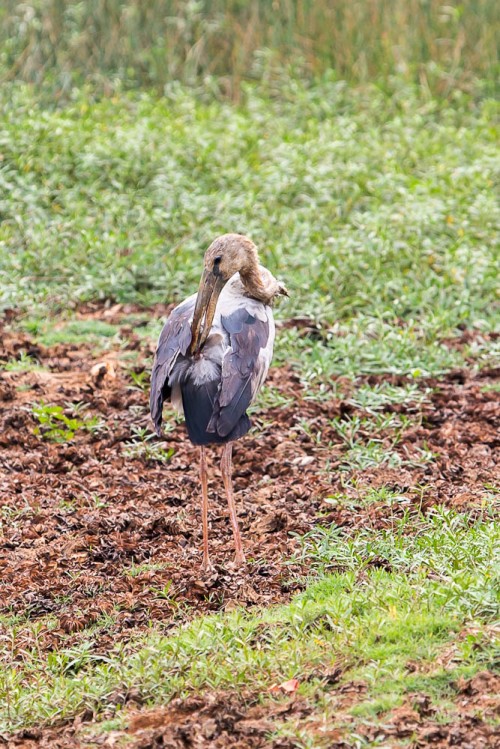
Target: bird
213 356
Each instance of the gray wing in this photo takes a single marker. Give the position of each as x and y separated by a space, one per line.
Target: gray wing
174 341
244 366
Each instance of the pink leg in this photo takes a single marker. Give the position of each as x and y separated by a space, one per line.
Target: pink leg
206 565
226 468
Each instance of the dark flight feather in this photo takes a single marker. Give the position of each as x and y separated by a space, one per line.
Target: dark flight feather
174 341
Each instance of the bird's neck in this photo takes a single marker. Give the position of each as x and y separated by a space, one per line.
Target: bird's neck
259 283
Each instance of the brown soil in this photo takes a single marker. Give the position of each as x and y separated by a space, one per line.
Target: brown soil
78 516
471 729
222 720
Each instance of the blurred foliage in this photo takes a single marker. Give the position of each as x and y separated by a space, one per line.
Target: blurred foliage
131 43
362 202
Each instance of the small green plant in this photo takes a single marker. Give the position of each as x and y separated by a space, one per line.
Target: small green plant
98 502
135 570
56 426
369 455
271 397
166 592
376 398
143 447
140 380
24 363
67 505
366 441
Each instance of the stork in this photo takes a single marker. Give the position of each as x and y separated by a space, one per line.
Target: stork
212 357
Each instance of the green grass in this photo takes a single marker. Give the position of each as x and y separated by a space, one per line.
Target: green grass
374 398
371 440
50 332
403 596
379 212
135 570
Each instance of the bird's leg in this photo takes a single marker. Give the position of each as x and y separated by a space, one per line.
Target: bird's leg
226 468
206 565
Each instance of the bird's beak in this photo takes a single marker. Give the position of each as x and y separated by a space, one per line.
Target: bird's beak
211 285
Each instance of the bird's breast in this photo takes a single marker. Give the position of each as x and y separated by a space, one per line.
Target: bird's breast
204 369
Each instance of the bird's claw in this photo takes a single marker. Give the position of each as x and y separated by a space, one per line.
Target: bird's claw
239 560
206 565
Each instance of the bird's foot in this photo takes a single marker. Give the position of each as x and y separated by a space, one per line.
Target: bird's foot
206 565
239 559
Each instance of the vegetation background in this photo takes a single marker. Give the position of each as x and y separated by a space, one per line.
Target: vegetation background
357 142
129 43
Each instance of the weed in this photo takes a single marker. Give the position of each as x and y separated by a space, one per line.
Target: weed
123 168
140 379
56 426
165 592
144 447
491 387
23 363
366 440
369 454
376 398
135 570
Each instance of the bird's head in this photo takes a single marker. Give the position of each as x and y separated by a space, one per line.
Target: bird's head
227 255
230 254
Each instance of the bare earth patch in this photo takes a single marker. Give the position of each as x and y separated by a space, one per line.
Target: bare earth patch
92 535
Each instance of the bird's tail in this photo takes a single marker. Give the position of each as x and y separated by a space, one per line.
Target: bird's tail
198 402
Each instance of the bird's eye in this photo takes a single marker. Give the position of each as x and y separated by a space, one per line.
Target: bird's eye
217 260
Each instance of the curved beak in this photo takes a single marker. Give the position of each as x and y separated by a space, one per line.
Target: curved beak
211 285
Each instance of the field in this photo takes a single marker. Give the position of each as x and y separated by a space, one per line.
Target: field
217 46
368 490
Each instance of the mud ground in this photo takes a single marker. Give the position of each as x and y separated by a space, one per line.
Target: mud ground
88 530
